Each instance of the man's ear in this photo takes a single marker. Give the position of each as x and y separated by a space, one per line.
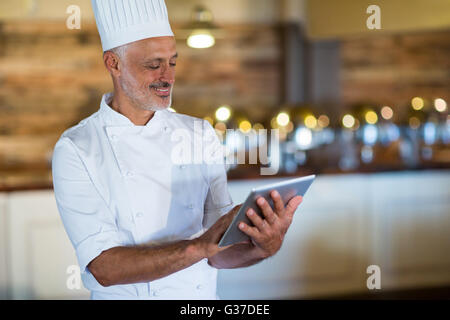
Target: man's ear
112 63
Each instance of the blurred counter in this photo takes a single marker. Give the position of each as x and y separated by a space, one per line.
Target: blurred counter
398 221
41 179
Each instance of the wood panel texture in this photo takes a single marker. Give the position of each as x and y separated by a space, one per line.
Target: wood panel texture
392 69
52 77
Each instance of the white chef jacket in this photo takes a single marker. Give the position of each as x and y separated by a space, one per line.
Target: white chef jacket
118 184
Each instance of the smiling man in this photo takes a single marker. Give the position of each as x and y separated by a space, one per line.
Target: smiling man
142 226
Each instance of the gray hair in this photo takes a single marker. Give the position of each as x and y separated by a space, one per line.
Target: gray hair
120 51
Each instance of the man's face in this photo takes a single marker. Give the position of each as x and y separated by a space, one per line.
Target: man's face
148 72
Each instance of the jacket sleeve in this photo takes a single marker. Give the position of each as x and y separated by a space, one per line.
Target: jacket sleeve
218 200
88 221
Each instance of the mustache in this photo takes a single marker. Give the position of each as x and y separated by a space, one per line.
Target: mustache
160 85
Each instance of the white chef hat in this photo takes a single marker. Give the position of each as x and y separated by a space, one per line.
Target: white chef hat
123 21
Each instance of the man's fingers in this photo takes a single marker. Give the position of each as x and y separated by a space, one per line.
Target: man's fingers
278 202
293 204
256 220
252 232
266 209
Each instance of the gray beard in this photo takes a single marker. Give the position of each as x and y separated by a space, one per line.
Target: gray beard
150 107
140 101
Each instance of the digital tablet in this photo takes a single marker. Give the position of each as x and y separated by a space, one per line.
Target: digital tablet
287 189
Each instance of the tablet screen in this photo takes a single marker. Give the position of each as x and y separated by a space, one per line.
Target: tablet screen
288 189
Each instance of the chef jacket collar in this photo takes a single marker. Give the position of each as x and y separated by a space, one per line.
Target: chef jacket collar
114 118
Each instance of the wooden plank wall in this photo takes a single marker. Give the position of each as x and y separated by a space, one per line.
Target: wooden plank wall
52 77
392 69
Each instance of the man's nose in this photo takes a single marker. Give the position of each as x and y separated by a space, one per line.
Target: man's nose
168 75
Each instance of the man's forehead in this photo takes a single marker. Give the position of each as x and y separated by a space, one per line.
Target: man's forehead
154 48
156 56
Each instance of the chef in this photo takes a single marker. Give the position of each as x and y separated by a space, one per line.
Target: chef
143 224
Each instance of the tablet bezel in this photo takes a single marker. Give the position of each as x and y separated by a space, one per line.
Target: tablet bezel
296 186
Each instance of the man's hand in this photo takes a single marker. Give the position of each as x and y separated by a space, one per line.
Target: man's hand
267 234
209 241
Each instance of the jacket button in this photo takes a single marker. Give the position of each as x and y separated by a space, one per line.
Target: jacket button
114 137
139 215
199 287
130 174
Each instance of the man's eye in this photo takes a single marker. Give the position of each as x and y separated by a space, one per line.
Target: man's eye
172 64
153 67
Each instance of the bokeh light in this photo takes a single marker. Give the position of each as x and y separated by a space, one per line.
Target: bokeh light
417 103
348 121
245 126
283 119
371 117
323 121
440 105
387 113
223 113
310 121
414 122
